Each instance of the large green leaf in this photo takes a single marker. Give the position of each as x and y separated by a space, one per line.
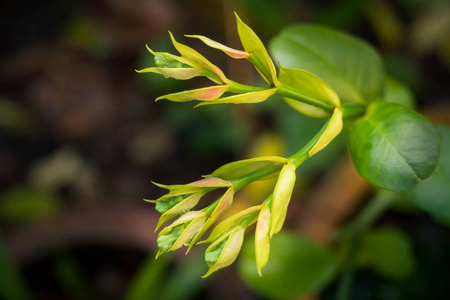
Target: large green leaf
433 195
350 66
296 266
393 146
388 252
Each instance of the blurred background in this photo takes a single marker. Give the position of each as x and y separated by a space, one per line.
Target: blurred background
81 139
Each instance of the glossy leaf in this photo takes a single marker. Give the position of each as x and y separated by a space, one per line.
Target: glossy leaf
394 147
433 195
350 66
388 252
311 86
243 167
296 267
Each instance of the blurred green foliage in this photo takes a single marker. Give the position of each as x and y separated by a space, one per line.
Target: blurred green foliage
24 204
433 194
388 251
296 267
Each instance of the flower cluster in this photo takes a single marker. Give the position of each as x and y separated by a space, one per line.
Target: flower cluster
302 90
192 64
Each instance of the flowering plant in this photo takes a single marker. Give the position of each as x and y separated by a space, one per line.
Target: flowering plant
401 170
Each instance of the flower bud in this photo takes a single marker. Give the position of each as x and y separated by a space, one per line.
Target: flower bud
181 231
259 58
162 61
234 53
214 211
224 251
262 238
281 197
245 218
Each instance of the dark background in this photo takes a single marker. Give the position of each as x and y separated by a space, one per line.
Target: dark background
81 136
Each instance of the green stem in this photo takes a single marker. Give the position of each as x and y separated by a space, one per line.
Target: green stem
345 284
352 109
290 92
370 214
298 158
242 181
242 88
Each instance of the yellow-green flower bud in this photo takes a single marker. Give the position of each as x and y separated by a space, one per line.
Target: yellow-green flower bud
225 250
281 197
162 61
166 204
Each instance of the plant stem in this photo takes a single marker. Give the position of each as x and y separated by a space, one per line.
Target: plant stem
242 181
290 92
370 214
242 88
374 209
352 109
297 159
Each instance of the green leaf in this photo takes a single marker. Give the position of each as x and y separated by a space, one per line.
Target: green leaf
349 65
433 195
388 252
296 267
394 147
311 86
398 93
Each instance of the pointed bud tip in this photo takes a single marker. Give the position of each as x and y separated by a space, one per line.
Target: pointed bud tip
259 272
150 50
208 273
